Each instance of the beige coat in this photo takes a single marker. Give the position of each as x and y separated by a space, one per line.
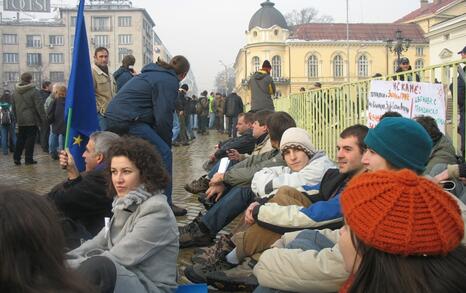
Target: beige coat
104 87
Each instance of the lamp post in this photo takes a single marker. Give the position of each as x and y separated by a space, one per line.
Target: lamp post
399 45
226 76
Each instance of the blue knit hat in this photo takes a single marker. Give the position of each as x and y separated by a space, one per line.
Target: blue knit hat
403 142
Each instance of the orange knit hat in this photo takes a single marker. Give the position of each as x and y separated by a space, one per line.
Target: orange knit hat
402 213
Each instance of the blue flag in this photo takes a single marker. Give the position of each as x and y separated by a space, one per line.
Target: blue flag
80 107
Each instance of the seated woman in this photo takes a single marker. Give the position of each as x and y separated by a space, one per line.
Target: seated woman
32 246
403 233
137 250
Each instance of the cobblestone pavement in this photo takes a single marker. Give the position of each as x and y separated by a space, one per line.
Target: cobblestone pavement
187 166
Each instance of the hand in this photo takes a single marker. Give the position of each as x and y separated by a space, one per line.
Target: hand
181 113
217 179
441 176
216 190
248 218
233 155
67 162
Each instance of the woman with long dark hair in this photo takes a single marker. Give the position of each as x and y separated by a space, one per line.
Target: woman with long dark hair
137 250
403 233
32 254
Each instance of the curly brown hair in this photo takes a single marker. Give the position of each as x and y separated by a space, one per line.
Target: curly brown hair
144 156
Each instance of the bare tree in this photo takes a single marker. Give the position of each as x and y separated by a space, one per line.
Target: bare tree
306 15
225 81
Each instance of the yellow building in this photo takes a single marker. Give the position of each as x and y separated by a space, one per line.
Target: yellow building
323 52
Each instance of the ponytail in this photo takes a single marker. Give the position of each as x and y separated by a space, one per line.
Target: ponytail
178 63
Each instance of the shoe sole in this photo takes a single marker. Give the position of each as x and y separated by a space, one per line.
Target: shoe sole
192 276
229 286
196 243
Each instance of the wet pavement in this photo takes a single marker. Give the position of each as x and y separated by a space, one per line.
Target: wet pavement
187 166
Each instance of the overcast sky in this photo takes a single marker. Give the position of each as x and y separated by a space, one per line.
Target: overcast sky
206 31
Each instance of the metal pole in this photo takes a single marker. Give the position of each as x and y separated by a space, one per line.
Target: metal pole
347 41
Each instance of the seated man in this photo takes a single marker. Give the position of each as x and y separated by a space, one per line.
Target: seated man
261 145
310 206
395 143
203 229
305 165
83 197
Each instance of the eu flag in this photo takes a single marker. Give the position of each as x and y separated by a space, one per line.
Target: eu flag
80 108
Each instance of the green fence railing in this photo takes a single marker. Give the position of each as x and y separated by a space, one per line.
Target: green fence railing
325 112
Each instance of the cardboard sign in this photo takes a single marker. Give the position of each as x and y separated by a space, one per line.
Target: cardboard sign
410 99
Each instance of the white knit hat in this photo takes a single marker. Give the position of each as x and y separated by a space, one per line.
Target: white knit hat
297 138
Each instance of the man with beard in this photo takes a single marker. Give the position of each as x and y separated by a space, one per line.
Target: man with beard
104 83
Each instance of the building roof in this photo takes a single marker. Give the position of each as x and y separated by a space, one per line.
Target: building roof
427 9
267 16
357 31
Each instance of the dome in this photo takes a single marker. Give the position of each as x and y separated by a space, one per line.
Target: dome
267 16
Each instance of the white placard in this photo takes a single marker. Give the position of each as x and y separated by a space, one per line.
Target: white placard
224 162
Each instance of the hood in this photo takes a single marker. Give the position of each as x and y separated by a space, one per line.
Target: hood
22 88
260 74
120 71
153 67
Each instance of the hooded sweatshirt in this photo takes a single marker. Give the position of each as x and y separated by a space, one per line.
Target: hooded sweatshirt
262 89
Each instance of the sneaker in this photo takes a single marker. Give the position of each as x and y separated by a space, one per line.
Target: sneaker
192 235
208 203
238 278
211 254
198 185
178 211
197 273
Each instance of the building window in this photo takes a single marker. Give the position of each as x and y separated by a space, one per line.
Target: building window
446 37
254 34
56 40
34 59
11 76
312 67
33 41
125 39
57 76
36 77
124 21
419 64
275 32
56 58
122 52
363 66
73 21
10 58
276 67
256 63
101 24
10 39
100 41
337 66
419 51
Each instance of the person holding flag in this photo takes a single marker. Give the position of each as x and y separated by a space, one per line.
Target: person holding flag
144 107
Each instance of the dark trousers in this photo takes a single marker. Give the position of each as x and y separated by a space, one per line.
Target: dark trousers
219 122
100 272
232 121
183 136
44 136
203 124
25 141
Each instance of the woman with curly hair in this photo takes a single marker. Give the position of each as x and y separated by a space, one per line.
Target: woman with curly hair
137 249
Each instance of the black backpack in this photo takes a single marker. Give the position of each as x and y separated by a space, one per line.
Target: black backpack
5 117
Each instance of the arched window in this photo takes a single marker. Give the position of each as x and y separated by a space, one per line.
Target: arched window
276 67
337 66
419 64
312 67
255 63
363 66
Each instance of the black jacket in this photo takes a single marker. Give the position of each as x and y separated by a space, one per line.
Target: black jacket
461 91
56 116
409 76
84 199
181 101
243 144
233 105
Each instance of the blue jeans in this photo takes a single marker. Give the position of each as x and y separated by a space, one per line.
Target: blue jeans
194 120
211 119
214 169
228 208
176 127
189 126
5 131
55 142
146 132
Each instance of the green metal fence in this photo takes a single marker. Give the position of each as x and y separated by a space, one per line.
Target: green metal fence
326 112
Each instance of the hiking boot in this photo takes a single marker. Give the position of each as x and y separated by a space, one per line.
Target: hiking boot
211 254
198 185
196 273
192 235
208 203
178 211
239 278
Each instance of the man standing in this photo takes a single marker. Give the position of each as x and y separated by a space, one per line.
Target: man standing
83 197
219 103
180 106
45 128
104 84
262 89
125 72
461 97
202 109
233 106
29 113
405 66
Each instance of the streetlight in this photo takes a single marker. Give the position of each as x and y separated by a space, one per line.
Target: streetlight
401 45
226 76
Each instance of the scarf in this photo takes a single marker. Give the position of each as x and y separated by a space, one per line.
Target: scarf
134 197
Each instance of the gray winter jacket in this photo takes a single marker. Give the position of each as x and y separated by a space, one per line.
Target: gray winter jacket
262 89
27 106
142 241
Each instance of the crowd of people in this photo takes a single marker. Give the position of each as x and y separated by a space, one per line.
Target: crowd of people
380 217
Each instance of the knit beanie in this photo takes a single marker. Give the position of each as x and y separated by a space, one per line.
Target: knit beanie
403 142
297 138
401 213
266 64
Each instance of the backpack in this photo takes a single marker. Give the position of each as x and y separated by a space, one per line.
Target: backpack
198 108
5 117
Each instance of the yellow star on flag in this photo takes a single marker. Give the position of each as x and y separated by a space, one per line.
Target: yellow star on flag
77 140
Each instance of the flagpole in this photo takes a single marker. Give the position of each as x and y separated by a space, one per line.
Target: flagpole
68 126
